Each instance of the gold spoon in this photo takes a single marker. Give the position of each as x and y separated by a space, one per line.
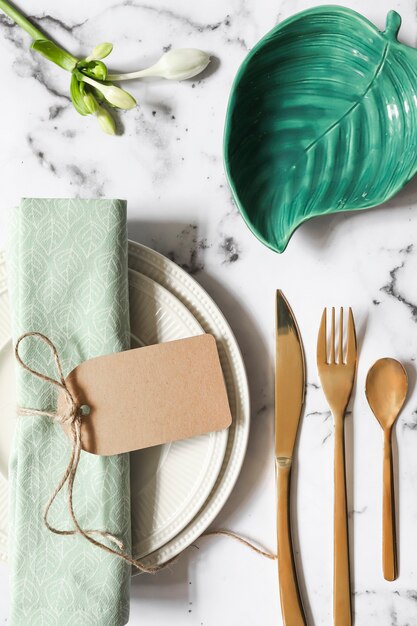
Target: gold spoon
386 389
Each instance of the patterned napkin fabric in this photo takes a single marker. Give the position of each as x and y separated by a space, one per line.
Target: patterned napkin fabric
67 268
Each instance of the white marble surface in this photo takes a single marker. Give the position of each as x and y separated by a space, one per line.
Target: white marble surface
168 164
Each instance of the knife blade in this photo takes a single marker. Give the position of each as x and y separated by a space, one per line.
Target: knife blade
289 400
289 378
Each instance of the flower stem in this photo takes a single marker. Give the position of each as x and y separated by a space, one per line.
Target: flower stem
131 75
90 81
21 20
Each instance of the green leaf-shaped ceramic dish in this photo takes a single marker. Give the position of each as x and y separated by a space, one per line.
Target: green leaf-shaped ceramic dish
322 118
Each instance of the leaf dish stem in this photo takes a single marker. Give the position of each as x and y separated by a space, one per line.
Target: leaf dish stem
392 25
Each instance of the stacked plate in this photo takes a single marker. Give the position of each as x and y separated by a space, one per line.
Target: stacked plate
179 488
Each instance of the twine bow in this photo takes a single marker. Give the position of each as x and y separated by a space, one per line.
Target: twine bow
71 417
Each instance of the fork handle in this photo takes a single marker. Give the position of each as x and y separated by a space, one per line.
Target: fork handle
291 606
341 578
389 552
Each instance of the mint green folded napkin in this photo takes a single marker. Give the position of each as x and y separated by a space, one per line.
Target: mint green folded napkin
67 266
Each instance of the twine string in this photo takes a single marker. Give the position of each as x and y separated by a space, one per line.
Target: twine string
242 540
72 417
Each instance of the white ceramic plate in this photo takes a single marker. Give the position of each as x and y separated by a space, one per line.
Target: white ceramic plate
194 297
170 483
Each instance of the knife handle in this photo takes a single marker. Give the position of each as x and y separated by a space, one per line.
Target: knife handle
291 606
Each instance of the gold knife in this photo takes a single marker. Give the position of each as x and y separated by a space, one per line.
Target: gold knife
289 400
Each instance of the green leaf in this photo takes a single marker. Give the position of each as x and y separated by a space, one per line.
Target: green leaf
90 103
93 69
77 92
101 51
322 118
98 95
55 54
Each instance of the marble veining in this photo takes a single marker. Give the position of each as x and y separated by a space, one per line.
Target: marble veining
168 165
189 252
392 289
231 250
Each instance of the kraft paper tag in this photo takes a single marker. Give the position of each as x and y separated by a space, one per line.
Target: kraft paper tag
149 396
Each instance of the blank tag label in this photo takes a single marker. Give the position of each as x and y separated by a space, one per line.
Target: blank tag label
149 396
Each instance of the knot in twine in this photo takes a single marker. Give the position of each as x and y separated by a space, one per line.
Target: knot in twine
71 417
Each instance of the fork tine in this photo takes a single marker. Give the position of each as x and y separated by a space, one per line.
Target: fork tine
332 338
351 340
340 350
321 340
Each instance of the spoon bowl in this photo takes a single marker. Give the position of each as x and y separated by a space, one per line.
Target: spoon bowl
386 390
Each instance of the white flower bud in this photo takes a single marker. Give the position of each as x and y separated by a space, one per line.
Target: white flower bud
177 64
114 95
117 97
105 121
181 63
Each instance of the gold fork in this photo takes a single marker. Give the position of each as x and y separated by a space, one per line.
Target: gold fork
337 375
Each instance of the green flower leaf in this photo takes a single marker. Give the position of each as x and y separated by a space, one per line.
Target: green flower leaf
90 103
77 92
101 51
54 53
98 95
93 69
322 118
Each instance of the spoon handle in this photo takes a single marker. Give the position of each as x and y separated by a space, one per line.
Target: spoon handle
389 548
